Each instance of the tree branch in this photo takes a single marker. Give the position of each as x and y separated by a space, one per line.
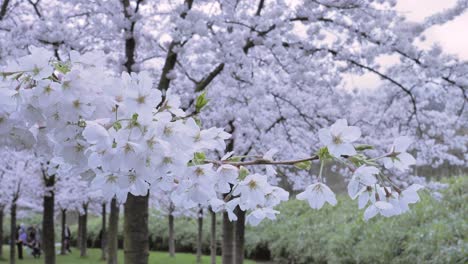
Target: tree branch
3 9
209 78
261 162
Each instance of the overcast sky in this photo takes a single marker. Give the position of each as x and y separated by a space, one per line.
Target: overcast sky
452 36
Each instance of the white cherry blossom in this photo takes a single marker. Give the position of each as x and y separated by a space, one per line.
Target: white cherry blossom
379 207
339 138
317 195
398 157
363 176
257 215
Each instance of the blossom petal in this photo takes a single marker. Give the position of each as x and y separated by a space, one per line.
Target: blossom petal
351 134
402 143
325 136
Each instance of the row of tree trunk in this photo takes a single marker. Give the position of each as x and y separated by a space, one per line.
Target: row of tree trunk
136 240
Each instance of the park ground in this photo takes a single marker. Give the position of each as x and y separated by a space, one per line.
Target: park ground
94 256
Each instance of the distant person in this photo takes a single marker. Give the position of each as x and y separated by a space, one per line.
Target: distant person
67 239
21 239
33 242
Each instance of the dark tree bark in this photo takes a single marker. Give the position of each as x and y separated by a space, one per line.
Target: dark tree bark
112 238
64 222
171 236
13 233
1 230
228 240
103 233
136 242
3 9
239 237
84 231
200 235
48 230
213 238
78 233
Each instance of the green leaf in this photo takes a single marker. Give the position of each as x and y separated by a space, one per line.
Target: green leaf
363 147
359 160
197 121
324 154
6 74
201 102
235 158
117 126
303 165
199 157
62 67
243 172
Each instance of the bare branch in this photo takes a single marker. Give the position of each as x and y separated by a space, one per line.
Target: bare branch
209 78
3 9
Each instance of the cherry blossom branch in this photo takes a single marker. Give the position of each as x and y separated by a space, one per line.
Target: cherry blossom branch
262 161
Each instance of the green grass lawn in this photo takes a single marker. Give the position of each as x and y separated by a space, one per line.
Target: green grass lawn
94 256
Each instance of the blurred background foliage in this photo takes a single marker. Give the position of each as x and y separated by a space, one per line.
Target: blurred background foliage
434 231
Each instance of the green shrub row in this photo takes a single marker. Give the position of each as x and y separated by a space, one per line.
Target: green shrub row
432 232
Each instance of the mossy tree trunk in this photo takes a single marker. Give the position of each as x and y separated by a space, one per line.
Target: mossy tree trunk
13 232
171 236
48 229
136 242
200 235
84 231
228 240
213 238
78 232
64 222
103 232
112 233
2 208
239 237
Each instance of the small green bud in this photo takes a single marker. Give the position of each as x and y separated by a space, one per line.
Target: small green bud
134 117
243 172
324 154
81 123
303 165
201 102
117 126
363 147
199 157
235 158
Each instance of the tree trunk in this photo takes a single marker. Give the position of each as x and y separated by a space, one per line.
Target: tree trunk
239 237
171 236
136 243
84 231
13 233
228 239
64 222
200 235
48 239
1 231
78 233
213 238
48 229
112 239
103 233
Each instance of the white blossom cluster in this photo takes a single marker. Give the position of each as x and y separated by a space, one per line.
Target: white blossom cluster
368 183
134 139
